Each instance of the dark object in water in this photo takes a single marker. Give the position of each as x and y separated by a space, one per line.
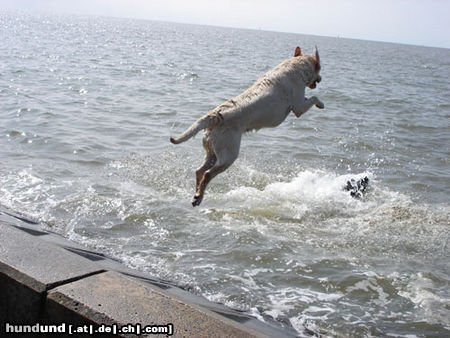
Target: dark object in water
357 188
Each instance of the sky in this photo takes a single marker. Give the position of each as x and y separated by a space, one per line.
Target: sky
417 22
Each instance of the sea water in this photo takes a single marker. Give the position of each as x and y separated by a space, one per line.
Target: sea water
87 105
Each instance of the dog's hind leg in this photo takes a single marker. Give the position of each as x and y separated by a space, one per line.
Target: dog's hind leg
207 177
210 160
226 152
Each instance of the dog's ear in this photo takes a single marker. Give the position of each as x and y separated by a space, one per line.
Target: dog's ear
298 51
317 60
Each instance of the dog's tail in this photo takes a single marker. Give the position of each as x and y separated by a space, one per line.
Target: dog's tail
204 122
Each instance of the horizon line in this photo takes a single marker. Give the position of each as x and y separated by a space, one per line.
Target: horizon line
338 36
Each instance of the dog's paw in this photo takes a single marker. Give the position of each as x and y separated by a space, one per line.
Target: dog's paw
197 200
320 105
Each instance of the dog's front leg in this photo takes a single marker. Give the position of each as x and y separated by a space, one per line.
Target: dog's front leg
305 104
319 104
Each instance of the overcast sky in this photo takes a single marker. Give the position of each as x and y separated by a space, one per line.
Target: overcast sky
419 22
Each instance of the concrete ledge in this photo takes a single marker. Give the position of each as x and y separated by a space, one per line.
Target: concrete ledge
45 279
112 298
30 267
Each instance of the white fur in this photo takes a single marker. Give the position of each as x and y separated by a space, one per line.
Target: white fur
265 104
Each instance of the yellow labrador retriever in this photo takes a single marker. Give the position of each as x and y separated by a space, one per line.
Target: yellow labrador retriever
265 104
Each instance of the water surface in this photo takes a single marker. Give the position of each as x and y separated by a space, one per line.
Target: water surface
88 104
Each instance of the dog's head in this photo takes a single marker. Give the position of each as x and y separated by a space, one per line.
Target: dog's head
316 78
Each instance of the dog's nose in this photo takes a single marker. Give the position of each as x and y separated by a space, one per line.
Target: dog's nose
319 78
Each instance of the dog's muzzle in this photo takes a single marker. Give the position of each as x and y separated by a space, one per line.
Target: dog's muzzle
317 80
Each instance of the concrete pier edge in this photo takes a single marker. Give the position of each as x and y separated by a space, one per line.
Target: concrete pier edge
46 279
